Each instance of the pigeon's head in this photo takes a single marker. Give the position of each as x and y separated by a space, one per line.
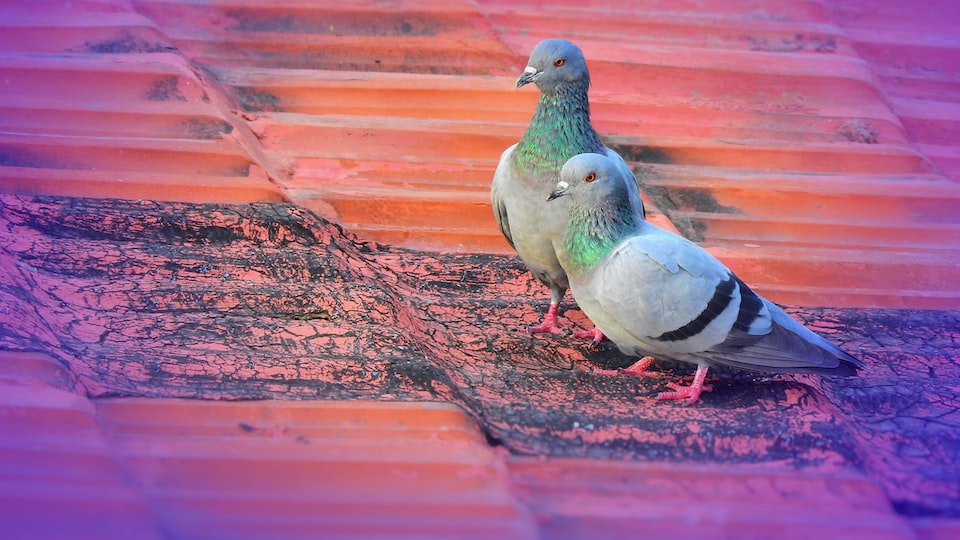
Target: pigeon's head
555 63
590 179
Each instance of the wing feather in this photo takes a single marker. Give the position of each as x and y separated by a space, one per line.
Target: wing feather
655 283
501 179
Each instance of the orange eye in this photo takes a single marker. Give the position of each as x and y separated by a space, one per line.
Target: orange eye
559 62
590 178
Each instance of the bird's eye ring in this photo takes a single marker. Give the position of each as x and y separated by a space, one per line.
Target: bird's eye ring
559 62
590 178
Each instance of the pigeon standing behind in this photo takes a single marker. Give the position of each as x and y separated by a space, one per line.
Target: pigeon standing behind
527 172
654 293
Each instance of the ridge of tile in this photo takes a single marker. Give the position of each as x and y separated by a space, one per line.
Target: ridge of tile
351 469
152 468
58 475
131 104
31 368
438 37
916 61
586 498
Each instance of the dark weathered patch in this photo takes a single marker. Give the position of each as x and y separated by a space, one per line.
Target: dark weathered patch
18 156
672 200
165 89
639 153
697 200
206 128
257 100
859 131
333 22
126 43
794 43
228 302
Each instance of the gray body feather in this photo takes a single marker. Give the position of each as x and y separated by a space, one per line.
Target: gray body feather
527 171
530 224
655 293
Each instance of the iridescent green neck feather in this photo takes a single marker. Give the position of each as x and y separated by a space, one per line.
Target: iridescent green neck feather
594 231
560 129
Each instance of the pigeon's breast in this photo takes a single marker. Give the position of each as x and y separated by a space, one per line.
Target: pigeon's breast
537 226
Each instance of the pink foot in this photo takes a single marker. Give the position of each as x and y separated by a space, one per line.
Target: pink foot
691 394
595 336
549 323
638 368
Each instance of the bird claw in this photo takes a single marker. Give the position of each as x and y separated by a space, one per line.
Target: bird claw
638 368
595 336
690 394
548 326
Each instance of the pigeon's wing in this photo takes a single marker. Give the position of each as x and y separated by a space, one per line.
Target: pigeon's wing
689 306
667 292
787 347
627 173
500 190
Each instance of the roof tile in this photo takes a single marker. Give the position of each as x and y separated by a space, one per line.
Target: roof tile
808 144
580 499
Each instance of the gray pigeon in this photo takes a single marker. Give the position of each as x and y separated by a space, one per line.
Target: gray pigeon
655 293
529 170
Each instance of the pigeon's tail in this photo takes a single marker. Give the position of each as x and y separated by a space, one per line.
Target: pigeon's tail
827 358
790 347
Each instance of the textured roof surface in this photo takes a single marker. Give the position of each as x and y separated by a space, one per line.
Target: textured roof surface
251 286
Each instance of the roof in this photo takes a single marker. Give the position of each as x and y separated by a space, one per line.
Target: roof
251 285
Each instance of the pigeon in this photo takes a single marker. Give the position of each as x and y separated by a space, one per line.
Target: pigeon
656 294
527 172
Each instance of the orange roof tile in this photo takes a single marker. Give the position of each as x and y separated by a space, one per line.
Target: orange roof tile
161 165
591 499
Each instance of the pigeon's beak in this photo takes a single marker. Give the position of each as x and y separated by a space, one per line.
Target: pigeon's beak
529 75
559 191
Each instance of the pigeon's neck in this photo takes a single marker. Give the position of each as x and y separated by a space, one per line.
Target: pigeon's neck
560 129
594 231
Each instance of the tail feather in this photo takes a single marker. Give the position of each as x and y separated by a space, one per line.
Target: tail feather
789 347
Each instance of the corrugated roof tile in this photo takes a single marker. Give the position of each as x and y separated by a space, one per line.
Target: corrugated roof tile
807 144
302 469
584 499
152 468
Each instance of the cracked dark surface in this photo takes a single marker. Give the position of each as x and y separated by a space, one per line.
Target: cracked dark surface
268 301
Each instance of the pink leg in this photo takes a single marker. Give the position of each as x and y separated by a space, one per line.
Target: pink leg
638 368
549 324
595 336
689 393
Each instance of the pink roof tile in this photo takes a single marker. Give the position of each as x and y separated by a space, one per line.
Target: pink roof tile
187 350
